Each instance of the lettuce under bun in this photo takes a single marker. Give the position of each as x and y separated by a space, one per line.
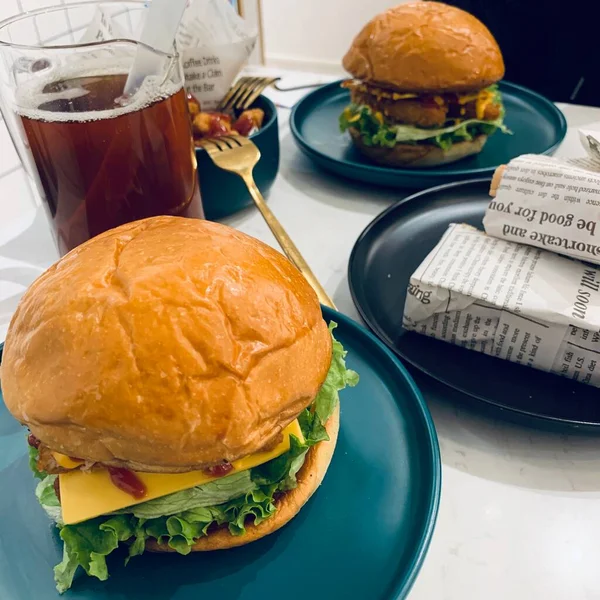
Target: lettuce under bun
400 145
287 506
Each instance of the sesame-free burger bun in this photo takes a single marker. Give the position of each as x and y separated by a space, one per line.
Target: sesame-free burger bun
288 505
165 345
425 47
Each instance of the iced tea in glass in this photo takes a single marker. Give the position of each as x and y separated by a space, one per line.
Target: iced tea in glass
99 157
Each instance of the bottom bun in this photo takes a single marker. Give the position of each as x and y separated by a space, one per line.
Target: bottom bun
418 156
309 478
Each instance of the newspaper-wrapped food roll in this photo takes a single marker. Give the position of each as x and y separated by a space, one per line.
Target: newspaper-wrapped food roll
510 301
547 203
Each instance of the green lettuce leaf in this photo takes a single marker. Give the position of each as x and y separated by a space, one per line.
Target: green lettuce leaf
377 131
290 481
338 377
280 468
46 496
64 572
209 494
45 492
138 544
258 505
312 420
312 423
462 130
33 458
87 544
179 519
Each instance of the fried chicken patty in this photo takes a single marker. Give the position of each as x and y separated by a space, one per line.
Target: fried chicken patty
410 111
422 110
46 463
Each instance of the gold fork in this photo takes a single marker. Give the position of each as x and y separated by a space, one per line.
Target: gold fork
247 89
244 92
239 155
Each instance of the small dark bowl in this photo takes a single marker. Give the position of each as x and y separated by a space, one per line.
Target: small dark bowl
225 193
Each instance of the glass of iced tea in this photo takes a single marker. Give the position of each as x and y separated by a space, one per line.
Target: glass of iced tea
99 157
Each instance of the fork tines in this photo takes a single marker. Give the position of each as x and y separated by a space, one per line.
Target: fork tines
223 143
245 91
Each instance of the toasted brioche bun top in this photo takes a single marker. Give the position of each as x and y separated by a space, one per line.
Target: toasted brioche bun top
425 47
165 345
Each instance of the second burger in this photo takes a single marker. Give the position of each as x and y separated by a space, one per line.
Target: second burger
424 91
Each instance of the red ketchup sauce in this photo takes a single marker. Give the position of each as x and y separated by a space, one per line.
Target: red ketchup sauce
220 124
127 481
33 441
56 486
244 125
219 470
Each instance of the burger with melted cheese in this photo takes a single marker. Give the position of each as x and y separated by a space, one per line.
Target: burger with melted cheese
424 91
180 387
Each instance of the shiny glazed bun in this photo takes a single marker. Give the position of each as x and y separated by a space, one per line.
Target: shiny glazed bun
288 505
165 345
425 47
418 155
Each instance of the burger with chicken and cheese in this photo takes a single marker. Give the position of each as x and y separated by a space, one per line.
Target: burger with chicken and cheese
180 387
424 91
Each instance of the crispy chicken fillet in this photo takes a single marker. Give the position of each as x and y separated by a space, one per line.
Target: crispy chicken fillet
422 111
412 111
46 463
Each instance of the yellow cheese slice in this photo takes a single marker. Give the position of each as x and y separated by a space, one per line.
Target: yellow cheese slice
88 494
481 105
466 98
65 462
397 96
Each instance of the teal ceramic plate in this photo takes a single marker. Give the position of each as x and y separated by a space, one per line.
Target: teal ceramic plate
538 127
364 534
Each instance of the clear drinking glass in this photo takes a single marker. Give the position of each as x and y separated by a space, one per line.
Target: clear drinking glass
98 159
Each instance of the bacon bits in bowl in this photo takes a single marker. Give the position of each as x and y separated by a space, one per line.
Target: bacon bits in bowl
225 193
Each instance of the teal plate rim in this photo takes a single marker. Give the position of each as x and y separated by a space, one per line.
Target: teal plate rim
405 574
325 91
404 587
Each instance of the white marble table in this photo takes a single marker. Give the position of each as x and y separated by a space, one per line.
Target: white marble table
520 511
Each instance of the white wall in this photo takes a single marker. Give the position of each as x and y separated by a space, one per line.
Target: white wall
250 10
314 34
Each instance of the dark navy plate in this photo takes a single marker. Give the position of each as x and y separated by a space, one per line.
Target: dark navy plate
364 534
385 256
538 127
